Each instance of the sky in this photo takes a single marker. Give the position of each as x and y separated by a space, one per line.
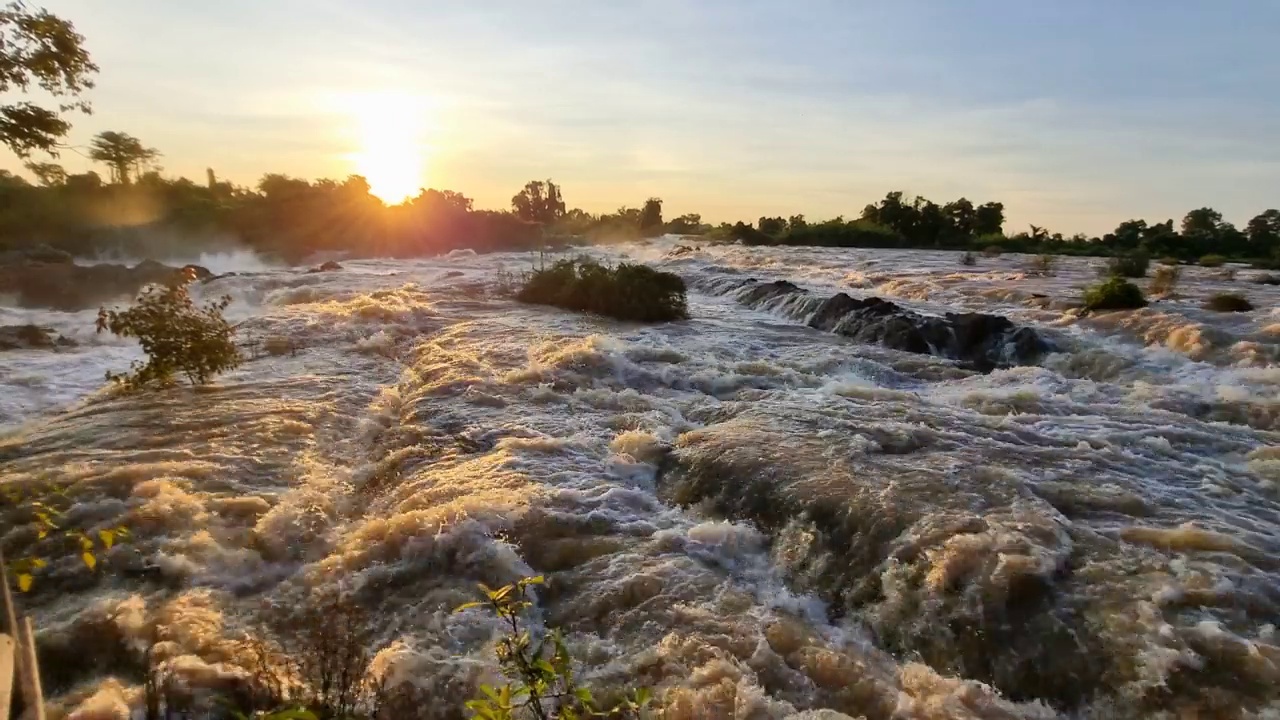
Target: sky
1076 114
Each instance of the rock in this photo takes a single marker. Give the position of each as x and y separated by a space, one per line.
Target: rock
982 341
454 273
327 266
70 287
30 337
39 254
197 272
679 250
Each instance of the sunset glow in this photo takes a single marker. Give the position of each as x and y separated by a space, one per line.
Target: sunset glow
392 155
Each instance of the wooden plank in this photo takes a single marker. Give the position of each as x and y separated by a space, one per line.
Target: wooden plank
6 675
32 693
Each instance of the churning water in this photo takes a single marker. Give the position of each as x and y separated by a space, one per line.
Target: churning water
755 518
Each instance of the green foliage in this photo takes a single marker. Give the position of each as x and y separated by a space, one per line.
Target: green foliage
176 335
43 509
539 671
626 292
1212 261
968 259
1228 302
1043 266
39 50
1115 293
1131 265
1170 261
992 251
1165 280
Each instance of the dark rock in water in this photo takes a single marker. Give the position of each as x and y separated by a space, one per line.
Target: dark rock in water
70 287
326 266
454 274
39 254
197 272
211 278
982 341
31 337
767 291
679 250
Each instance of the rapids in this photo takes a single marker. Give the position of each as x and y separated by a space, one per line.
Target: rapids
756 518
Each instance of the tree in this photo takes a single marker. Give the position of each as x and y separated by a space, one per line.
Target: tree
773 227
796 222
650 220
687 224
1264 232
123 153
49 174
961 215
1204 221
42 50
539 202
988 219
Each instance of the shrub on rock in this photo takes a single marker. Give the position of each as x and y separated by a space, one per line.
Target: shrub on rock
1212 261
1165 279
1228 302
1114 294
1132 266
625 292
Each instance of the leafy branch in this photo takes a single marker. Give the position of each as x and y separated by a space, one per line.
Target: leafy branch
541 682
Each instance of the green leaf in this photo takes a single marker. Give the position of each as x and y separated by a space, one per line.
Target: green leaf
39 563
644 696
107 537
467 606
535 580
584 695
89 559
24 582
295 714
85 542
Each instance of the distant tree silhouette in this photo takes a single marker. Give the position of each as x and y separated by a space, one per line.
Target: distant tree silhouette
650 220
774 226
539 202
40 50
123 154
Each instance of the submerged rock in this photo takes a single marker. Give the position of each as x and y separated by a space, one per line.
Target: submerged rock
39 254
28 337
977 339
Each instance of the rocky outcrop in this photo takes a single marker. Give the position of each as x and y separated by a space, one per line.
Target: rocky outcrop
39 253
326 266
69 287
979 340
31 337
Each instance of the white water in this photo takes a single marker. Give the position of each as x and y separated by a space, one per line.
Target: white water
427 434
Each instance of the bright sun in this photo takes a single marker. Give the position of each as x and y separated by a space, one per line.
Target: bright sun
392 154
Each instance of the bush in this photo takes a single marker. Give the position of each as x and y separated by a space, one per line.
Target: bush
992 251
1165 280
176 335
969 259
1114 294
1212 261
1043 265
1228 302
625 292
1168 260
540 680
1132 266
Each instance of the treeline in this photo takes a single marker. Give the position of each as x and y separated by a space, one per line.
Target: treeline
142 213
899 222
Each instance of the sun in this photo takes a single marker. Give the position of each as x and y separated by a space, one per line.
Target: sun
392 154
